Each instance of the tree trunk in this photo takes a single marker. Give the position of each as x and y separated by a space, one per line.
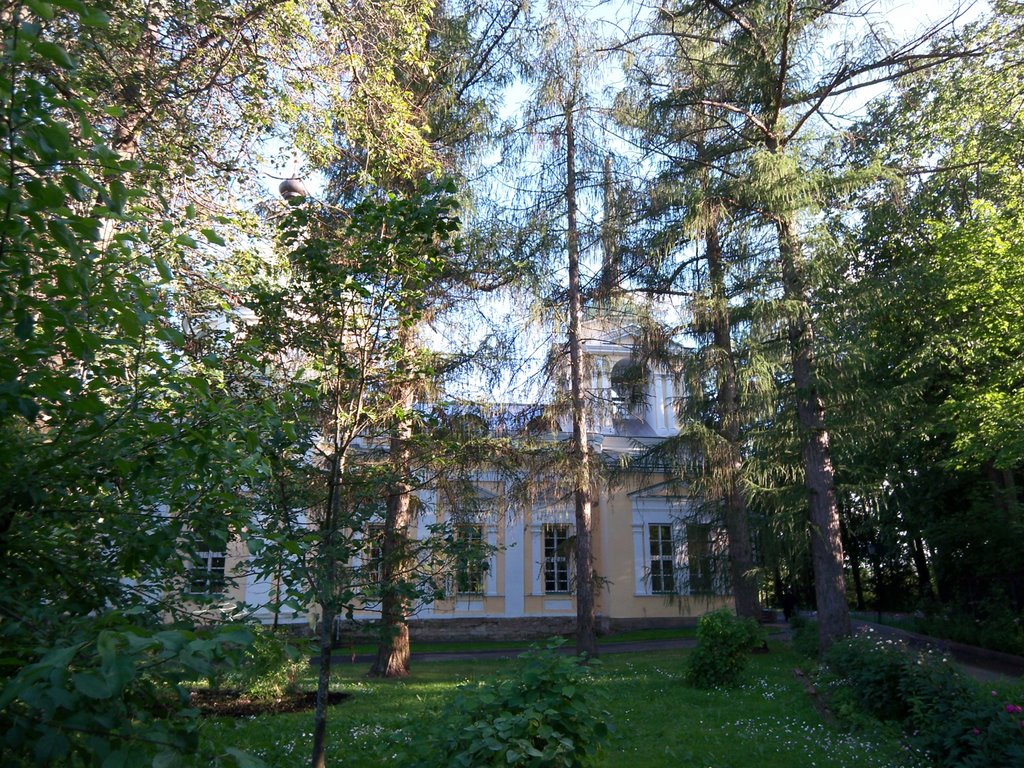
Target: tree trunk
328 591
858 582
393 649
322 688
586 635
924 574
826 542
737 521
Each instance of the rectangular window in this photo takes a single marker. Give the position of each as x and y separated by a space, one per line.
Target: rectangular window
373 553
207 576
470 563
698 548
662 554
556 558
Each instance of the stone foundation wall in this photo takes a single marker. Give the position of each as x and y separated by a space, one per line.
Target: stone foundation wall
661 622
523 628
526 628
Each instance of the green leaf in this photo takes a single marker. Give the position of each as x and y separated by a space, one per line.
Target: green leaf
23 324
166 759
163 269
51 747
54 53
213 237
43 10
48 196
60 232
94 17
91 685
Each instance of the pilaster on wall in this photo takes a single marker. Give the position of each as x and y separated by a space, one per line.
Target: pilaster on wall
515 561
661 408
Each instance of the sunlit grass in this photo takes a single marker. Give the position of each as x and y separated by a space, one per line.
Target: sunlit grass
658 720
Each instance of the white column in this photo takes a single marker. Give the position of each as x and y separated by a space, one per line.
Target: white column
536 563
639 561
491 534
654 415
515 556
670 406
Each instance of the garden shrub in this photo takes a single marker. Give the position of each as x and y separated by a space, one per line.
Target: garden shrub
992 624
269 668
545 713
805 636
947 719
723 645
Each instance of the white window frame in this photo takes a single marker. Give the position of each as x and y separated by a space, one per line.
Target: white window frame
678 512
660 561
469 567
557 566
541 517
205 562
373 554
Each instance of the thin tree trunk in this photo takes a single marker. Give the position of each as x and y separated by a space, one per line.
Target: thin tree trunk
924 574
586 635
851 551
328 590
322 687
737 521
826 542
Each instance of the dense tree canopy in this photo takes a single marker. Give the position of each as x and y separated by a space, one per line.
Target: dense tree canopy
184 364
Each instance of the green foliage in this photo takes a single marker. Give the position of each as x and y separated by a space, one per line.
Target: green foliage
806 639
993 624
270 667
110 691
724 642
119 450
946 719
769 721
544 713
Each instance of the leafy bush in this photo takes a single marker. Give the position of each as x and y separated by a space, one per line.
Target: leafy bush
109 692
545 713
946 719
723 643
805 636
269 668
993 624
875 671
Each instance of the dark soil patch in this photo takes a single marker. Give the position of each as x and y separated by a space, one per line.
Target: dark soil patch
231 703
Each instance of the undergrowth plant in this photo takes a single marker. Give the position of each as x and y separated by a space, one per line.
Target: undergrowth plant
945 718
724 642
805 636
545 712
269 668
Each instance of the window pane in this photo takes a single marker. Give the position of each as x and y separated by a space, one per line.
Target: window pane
698 547
556 558
373 553
662 554
470 563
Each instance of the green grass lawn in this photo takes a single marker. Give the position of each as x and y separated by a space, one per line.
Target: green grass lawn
658 720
